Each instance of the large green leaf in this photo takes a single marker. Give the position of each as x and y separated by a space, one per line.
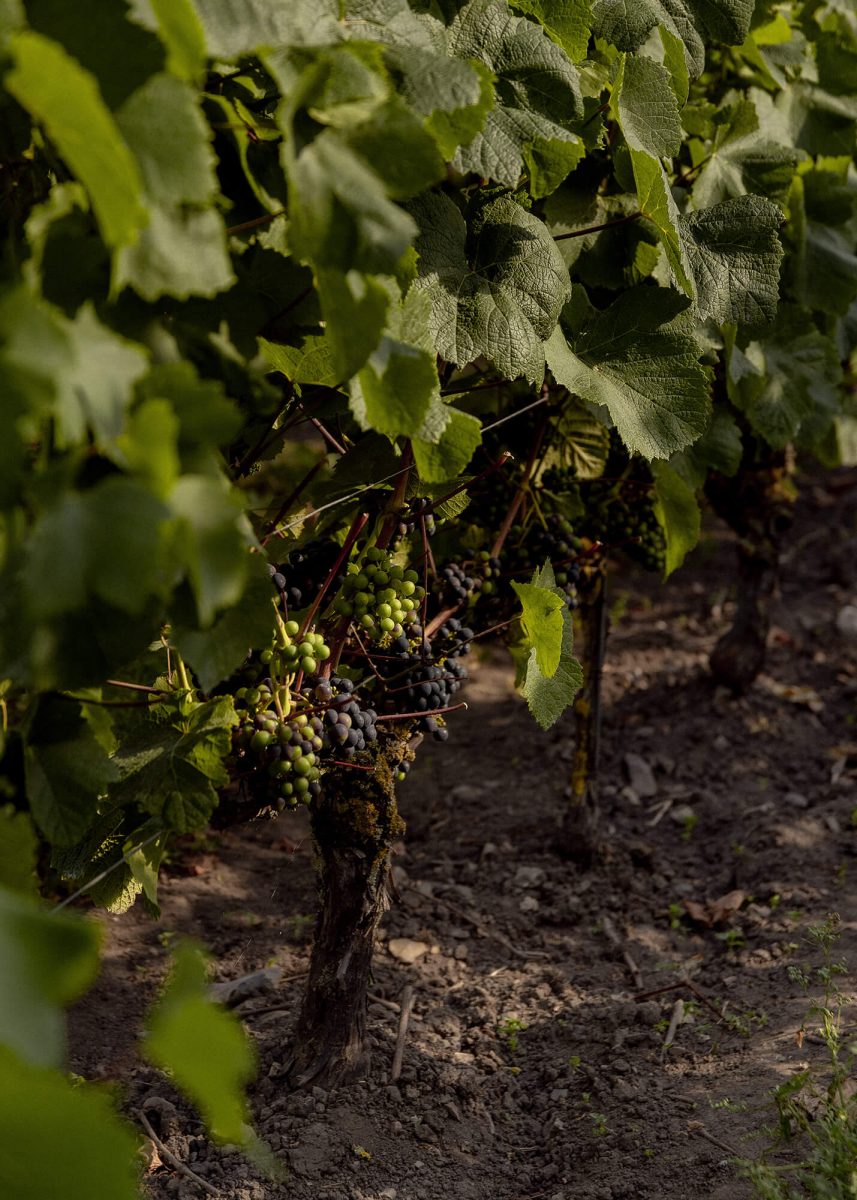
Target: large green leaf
204 1048
659 207
678 514
823 208
66 100
451 453
548 696
93 1154
67 770
647 375
181 31
18 850
627 23
182 252
80 371
542 608
644 104
786 378
537 88
742 159
496 286
212 539
341 216
567 21
237 27
734 254
47 960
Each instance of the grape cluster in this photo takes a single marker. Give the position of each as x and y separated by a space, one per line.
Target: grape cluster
286 753
348 726
423 677
380 597
462 581
299 578
621 515
420 506
555 542
291 652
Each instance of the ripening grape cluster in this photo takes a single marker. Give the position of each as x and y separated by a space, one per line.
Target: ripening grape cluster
298 578
423 677
461 582
621 515
553 542
379 596
410 520
285 753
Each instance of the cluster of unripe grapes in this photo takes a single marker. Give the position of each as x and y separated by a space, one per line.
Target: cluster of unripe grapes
621 514
379 596
291 652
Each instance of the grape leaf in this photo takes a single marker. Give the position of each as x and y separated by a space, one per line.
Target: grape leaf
743 159
677 511
567 21
734 253
204 1048
447 457
181 31
780 381
644 104
549 696
47 960
627 23
537 88
393 391
18 848
658 206
646 374
81 371
215 653
309 361
66 100
182 252
675 61
542 622
93 1152
212 537
355 309
823 210
341 216
237 27
66 770
496 287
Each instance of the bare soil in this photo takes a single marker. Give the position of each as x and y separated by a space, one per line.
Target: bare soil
532 1068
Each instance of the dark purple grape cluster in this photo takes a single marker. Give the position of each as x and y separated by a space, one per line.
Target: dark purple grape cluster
349 727
461 582
420 506
300 577
424 677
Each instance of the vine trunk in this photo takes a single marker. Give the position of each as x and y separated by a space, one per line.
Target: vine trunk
354 825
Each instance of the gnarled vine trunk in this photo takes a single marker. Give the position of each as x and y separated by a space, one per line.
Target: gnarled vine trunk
578 839
758 505
354 825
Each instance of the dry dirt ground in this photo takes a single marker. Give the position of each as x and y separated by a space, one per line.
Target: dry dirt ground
531 1067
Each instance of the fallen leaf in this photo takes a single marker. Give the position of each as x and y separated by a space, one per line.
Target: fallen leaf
715 912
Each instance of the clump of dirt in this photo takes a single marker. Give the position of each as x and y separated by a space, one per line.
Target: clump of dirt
536 1064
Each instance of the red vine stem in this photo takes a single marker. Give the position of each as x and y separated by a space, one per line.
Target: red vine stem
509 519
412 716
353 534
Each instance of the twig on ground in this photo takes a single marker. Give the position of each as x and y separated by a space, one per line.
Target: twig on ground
404 1018
169 1157
269 1008
675 1020
691 987
612 936
698 1128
